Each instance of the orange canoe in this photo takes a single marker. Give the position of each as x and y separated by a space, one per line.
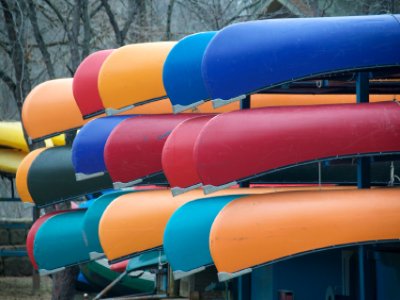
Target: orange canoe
262 229
135 222
50 109
132 75
22 175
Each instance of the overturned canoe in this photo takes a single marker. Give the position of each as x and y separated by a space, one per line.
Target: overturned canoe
133 149
21 181
243 144
51 178
178 158
247 57
257 230
91 220
85 89
142 216
88 146
182 76
30 239
10 159
59 242
132 75
12 136
99 274
186 235
50 109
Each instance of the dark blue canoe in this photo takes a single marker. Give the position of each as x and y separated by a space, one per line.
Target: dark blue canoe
247 57
88 146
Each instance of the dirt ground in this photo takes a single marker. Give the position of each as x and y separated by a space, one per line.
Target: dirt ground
20 288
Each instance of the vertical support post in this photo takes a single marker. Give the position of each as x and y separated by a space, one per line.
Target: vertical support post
363 175
363 165
245 104
35 274
244 281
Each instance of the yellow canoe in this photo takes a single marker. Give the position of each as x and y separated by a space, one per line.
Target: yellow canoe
135 222
12 136
22 175
10 159
132 75
261 229
50 109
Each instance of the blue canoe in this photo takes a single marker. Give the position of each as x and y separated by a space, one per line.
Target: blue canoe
59 242
247 57
90 228
88 146
186 236
182 76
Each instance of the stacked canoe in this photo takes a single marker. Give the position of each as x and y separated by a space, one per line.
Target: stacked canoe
123 101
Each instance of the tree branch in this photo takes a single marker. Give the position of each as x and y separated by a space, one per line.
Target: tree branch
39 39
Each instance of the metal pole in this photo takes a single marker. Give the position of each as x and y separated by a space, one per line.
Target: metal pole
363 174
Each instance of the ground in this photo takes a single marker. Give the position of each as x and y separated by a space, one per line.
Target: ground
20 288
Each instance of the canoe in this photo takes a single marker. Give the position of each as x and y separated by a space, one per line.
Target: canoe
88 146
84 86
99 274
263 229
91 220
12 136
178 158
182 76
59 242
50 109
132 75
134 147
244 144
21 180
142 217
30 239
10 159
45 188
244 58
186 235
264 100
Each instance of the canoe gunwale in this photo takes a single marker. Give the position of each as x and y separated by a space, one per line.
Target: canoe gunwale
132 255
224 276
209 188
110 111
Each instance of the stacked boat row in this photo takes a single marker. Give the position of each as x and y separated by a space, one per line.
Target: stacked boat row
162 77
234 229
206 150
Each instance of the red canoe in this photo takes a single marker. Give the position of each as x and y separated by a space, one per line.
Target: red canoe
133 149
177 156
242 144
84 85
30 239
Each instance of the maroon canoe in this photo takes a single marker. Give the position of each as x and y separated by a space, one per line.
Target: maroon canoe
243 144
134 147
177 156
86 92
